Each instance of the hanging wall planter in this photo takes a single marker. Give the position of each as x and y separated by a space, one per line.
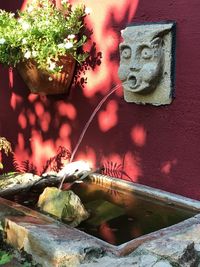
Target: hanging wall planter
42 82
44 42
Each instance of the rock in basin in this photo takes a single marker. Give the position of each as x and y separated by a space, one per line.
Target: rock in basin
64 205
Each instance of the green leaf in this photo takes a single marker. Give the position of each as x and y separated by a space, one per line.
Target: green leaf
5 257
26 264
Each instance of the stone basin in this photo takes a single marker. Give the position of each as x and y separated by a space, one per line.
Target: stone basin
52 243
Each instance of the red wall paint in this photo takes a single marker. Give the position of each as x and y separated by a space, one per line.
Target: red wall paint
158 146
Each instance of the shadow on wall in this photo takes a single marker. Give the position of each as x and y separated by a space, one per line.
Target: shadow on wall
170 157
10 6
154 145
157 146
38 125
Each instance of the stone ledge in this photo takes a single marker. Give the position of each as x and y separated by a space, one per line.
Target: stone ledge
53 244
50 244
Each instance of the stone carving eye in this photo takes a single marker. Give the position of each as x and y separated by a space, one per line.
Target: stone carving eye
126 52
147 53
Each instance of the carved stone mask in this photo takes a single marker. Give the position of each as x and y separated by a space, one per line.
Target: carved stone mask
144 57
141 65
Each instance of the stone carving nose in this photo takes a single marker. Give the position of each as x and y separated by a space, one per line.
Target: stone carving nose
135 66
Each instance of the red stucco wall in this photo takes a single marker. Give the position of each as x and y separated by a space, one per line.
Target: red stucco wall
158 146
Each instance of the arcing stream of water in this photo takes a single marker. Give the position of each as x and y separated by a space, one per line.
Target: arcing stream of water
91 118
113 89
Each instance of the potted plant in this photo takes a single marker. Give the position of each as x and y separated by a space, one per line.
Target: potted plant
44 42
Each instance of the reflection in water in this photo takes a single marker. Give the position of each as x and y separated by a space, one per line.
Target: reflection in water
120 217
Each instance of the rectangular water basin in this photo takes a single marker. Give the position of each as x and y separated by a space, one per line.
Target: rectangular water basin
125 214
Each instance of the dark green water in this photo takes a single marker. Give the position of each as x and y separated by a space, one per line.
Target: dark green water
118 217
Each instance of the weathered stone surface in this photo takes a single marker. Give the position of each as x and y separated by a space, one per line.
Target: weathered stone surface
12 183
118 262
56 245
146 63
15 182
53 244
178 248
74 168
64 205
148 260
162 264
49 244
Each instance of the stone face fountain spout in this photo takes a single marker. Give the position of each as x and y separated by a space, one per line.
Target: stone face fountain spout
147 63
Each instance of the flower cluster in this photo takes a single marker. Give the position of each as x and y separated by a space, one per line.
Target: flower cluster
42 33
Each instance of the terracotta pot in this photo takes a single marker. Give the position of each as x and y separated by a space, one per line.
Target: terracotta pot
41 82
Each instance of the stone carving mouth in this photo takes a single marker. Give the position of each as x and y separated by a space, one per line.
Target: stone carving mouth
132 81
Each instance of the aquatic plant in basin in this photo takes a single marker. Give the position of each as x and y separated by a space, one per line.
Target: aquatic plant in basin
45 37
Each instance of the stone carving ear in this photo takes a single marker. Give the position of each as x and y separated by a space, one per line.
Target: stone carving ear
158 38
156 42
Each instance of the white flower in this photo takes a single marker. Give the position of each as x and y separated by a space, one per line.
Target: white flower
24 41
88 10
63 2
61 45
71 36
2 41
50 79
20 20
34 53
68 45
25 25
52 65
27 54
30 9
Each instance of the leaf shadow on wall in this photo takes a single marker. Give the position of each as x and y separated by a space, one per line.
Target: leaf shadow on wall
34 120
146 140
38 124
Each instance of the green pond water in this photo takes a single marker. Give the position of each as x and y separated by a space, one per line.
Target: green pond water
118 216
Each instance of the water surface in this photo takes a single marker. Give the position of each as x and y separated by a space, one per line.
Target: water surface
119 216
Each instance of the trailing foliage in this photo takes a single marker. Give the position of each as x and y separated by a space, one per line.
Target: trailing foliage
24 166
42 33
54 163
114 169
